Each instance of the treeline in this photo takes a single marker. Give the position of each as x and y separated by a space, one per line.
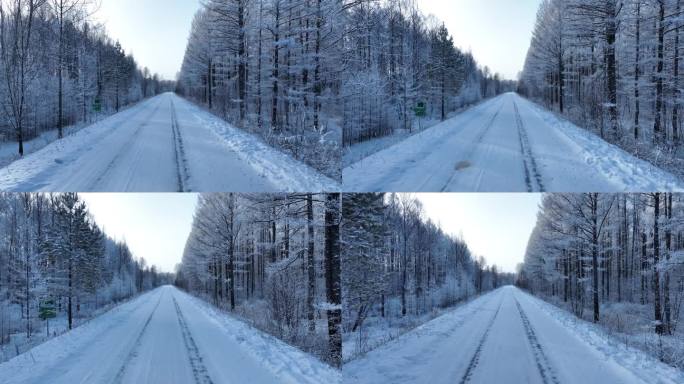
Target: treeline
272 259
395 60
397 263
55 262
591 250
272 67
613 67
58 69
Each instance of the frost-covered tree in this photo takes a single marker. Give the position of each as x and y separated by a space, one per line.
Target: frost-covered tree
612 67
273 259
398 266
611 249
271 67
51 251
397 63
59 69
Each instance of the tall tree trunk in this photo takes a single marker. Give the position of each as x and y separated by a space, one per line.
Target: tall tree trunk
231 250
656 260
60 73
317 67
677 92
310 265
242 62
668 250
276 69
594 254
332 276
611 69
657 127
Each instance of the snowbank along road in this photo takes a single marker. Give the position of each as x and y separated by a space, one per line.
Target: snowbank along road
165 337
506 144
163 144
506 336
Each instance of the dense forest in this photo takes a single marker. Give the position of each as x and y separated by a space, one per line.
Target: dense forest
400 66
299 72
272 67
616 259
272 260
613 67
398 267
58 69
56 263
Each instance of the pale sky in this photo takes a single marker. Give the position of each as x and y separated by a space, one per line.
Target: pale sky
155 226
496 226
154 31
497 32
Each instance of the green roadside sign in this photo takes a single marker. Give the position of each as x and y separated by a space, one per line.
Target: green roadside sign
97 105
420 109
47 310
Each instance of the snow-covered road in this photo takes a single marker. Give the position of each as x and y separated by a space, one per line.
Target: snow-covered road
506 336
506 144
163 144
165 337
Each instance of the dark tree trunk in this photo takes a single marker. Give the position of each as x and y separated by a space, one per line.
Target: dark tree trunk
332 276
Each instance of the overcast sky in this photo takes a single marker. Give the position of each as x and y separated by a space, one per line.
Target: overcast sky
498 32
155 226
495 225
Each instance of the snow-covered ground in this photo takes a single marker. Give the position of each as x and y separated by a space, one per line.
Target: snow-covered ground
507 336
504 145
164 144
165 337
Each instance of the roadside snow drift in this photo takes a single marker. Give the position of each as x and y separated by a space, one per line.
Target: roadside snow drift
507 144
507 336
164 144
165 337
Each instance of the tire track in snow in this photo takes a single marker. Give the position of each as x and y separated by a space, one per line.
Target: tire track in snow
532 174
482 108
125 148
199 371
478 140
179 150
133 352
543 365
475 360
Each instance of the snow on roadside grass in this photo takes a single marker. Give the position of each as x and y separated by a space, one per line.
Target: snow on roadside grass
284 360
379 333
62 347
65 150
9 149
279 168
359 151
637 362
623 169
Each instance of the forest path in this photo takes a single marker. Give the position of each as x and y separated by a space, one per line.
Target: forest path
162 337
163 144
506 144
503 336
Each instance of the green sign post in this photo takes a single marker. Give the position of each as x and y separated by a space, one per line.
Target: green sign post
47 311
97 105
421 111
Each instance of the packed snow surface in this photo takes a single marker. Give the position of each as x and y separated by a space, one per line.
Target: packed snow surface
165 337
507 144
164 144
507 336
